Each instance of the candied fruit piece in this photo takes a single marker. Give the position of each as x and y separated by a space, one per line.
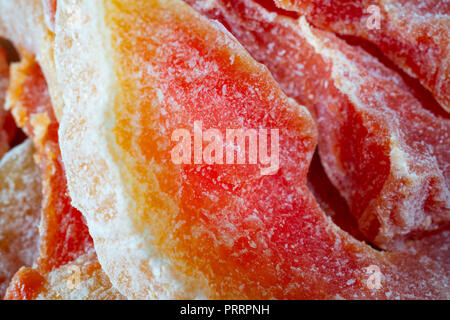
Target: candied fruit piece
412 33
386 154
25 285
64 236
25 24
50 12
22 22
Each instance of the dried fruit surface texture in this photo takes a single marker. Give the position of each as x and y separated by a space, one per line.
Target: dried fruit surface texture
382 149
413 33
82 279
139 71
64 236
330 200
23 22
20 207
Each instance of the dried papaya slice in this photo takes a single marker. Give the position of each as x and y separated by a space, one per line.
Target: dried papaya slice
133 72
330 200
382 149
64 237
20 204
412 33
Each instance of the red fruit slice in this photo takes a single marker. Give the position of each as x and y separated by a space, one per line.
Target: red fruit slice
214 231
386 154
412 33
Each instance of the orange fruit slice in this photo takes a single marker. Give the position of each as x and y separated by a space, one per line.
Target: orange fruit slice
64 235
132 72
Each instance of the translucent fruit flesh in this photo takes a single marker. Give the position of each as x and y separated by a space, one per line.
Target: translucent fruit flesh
381 148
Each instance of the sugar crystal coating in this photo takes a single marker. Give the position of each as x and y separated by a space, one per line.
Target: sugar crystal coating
166 230
20 207
382 149
412 33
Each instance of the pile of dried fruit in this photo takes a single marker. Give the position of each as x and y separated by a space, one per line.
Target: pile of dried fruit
353 94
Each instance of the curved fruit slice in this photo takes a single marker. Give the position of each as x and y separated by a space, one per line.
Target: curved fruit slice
386 154
82 279
64 237
135 71
412 33
20 204
50 12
